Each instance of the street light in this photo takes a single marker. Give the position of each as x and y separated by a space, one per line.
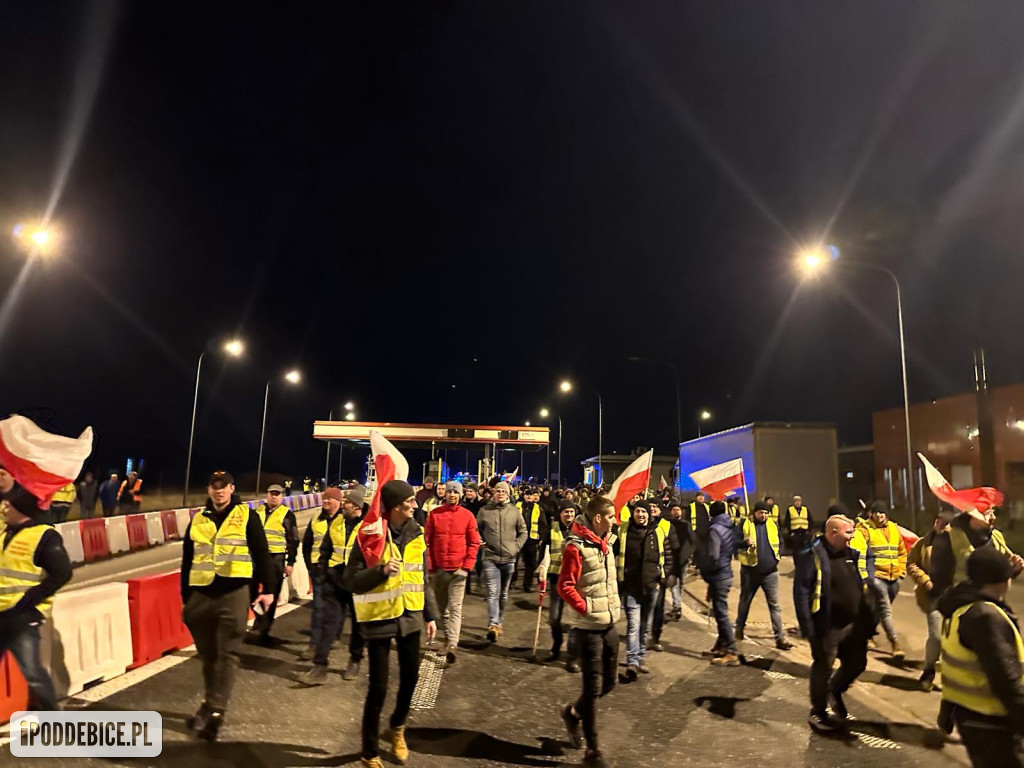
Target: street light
292 377
233 348
350 416
812 262
704 416
567 386
545 413
679 397
38 238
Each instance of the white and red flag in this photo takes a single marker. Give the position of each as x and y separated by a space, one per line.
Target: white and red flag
41 462
390 465
969 499
717 480
633 480
510 477
662 484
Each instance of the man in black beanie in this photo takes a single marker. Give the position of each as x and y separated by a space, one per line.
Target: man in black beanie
983 663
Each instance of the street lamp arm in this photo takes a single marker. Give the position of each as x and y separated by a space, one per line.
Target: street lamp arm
192 430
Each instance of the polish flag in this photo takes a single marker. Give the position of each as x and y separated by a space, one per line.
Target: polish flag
390 465
716 481
511 476
41 462
662 484
633 480
968 500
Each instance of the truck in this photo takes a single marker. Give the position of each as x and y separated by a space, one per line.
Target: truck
780 459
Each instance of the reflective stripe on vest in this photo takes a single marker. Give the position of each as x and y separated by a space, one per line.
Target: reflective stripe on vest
963 680
273 526
885 545
220 551
816 596
399 593
340 543
320 526
962 547
555 550
693 514
17 571
534 520
749 556
798 519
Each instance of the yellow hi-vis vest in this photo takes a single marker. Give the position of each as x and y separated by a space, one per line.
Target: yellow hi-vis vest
220 551
693 514
798 519
963 680
17 571
342 546
65 495
962 548
555 549
534 520
774 514
273 525
885 543
660 532
749 556
401 592
860 544
320 526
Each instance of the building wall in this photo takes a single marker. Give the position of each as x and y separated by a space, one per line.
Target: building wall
856 475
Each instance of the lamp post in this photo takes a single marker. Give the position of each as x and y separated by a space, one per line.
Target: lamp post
292 377
566 387
234 348
704 416
545 413
679 397
812 262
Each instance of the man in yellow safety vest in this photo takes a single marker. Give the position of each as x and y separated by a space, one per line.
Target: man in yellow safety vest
394 604
983 662
886 544
969 531
536 533
224 549
60 506
640 565
311 541
33 566
759 569
282 532
798 524
552 558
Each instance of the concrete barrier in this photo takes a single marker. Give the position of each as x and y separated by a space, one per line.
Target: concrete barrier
72 535
86 638
117 534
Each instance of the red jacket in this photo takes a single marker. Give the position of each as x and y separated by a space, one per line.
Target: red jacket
452 539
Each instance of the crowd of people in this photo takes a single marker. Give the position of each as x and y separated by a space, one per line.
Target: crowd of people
595 561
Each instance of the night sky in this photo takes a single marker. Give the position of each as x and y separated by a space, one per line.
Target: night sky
439 211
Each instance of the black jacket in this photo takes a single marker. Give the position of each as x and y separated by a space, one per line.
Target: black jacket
53 559
942 570
673 548
641 571
307 542
985 631
359 580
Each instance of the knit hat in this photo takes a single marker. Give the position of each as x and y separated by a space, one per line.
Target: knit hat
503 486
642 505
453 485
838 509
333 493
472 487
394 493
23 501
565 504
356 495
878 506
762 506
717 508
987 565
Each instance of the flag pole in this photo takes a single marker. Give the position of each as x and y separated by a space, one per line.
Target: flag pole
746 501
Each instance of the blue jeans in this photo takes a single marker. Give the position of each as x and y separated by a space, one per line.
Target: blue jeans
885 593
497 577
22 640
639 617
750 582
719 589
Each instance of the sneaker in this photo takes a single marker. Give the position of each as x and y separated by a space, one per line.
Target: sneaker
726 660
819 722
572 666
398 746
307 653
739 634
898 654
492 633
499 629
352 670
643 669
783 644
656 646
317 675
211 727
371 762
927 680
572 727
450 658
838 706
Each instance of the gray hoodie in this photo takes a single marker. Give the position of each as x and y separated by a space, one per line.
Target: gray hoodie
502 530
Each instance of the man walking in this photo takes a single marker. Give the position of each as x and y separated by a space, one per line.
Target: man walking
759 569
798 524
700 517
452 543
588 586
536 523
890 555
640 550
394 604
224 549
834 614
311 541
87 496
552 555
282 534
715 564
503 533
676 574
918 563
108 494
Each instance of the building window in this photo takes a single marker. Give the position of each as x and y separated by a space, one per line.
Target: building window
849 475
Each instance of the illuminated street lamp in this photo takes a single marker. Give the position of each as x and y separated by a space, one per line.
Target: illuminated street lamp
350 416
350 405
37 238
233 348
566 387
545 413
292 377
814 261
704 416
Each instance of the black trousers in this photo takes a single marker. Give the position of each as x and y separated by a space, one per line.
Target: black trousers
379 651
848 644
337 606
217 625
989 744
599 660
529 560
798 540
265 621
659 615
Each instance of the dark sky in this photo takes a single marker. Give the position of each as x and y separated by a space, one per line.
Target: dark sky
437 212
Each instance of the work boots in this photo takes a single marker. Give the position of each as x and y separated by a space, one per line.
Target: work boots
317 675
398 746
211 727
898 655
352 670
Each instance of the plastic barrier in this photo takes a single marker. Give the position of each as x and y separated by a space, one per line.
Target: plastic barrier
86 637
183 517
169 524
13 688
154 527
138 537
117 534
72 536
154 607
301 585
94 539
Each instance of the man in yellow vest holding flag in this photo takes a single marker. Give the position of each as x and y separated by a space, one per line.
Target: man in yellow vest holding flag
759 569
33 566
983 662
282 532
394 603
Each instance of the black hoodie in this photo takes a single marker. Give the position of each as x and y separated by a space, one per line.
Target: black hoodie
942 570
641 571
985 631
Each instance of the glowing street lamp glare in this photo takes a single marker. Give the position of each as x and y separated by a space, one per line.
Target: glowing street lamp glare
234 348
565 386
350 406
705 415
350 416
293 377
544 413
40 237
